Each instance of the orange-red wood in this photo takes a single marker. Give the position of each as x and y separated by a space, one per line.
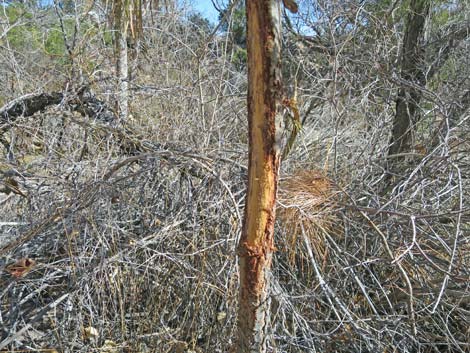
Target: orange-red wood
264 114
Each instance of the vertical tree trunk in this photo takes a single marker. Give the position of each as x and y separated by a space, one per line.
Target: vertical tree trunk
264 121
120 36
412 72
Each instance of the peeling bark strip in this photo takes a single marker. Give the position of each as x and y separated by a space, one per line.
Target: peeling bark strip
264 123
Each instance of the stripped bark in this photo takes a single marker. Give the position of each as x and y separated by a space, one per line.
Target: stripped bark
265 121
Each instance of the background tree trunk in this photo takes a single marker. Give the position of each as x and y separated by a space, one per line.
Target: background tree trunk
264 119
120 36
412 74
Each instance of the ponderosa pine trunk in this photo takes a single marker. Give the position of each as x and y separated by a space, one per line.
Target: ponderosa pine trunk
264 123
413 76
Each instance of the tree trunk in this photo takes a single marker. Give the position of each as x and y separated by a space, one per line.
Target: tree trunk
412 73
264 121
120 36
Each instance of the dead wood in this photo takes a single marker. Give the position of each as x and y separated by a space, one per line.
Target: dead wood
85 103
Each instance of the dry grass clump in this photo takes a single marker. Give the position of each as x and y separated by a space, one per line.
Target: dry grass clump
307 201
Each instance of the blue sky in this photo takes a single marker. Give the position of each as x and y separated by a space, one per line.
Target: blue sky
206 8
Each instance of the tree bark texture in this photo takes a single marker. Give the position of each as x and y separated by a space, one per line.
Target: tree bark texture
265 124
29 104
120 37
413 77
